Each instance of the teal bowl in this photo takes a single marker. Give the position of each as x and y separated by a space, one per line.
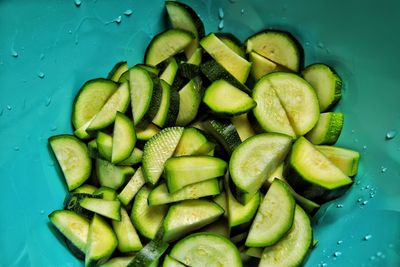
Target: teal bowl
48 49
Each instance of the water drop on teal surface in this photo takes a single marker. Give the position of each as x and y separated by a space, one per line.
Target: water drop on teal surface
372 258
221 13
391 134
367 237
383 169
78 3
9 107
339 206
40 75
118 19
359 200
14 53
48 102
339 242
41 56
221 25
320 45
242 11
364 202
337 254
128 12
16 148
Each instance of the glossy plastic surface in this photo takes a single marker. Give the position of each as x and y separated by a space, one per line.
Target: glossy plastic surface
49 48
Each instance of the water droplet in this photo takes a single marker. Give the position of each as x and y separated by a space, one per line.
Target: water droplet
118 20
358 182
128 12
359 200
54 128
339 242
372 258
16 148
355 140
41 74
220 13
42 212
41 56
391 134
221 25
367 237
242 11
379 254
307 43
383 169
69 31
48 102
78 3
390 245
320 45
353 131
365 147
371 195
9 107
339 206
368 186
364 202
14 53
337 254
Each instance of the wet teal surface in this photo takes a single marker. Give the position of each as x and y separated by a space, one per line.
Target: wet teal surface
48 49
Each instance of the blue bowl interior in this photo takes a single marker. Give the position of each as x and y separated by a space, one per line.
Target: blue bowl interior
48 49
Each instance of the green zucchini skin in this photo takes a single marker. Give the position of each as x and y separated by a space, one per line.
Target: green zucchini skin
71 202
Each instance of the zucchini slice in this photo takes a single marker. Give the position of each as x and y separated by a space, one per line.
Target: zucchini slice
105 193
196 58
145 134
90 99
119 101
118 261
278 46
73 157
261 66
141 91
169 73
184 17
132 187
254 160
295 109
243 126
167 44
157 150
128 239
171 262
225 99
186 170
101 242
215 71
224 132
107 208
316 177
104 144
326 82
189 101
274 217
232 42
134 158
124 138
232 62
292 249
160 194
189 215
147 219
72 226
86 188
110 175
72 203
168 111
192 142
345 159
327 130
206 249
150 254
117 71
